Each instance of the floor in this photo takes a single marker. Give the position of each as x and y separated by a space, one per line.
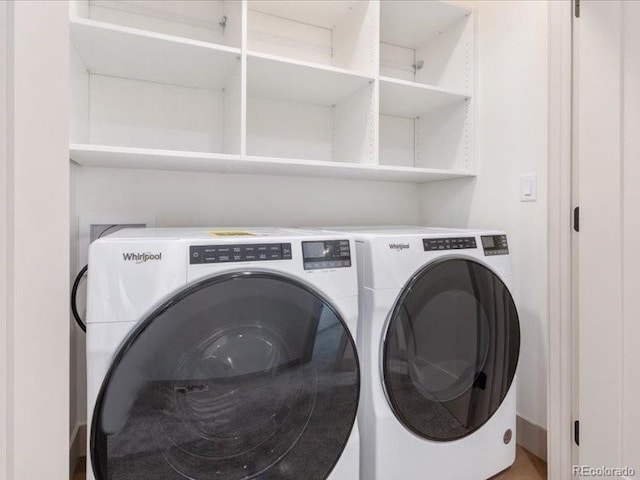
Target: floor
526 467
80 469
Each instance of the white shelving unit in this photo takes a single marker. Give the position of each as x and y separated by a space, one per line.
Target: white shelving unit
306 87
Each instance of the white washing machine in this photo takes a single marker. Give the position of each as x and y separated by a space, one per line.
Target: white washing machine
222 354
439 347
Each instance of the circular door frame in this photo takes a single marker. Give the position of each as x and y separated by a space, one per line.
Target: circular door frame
185 291
387 325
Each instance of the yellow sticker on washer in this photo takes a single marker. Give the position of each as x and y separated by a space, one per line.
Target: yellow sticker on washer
230 233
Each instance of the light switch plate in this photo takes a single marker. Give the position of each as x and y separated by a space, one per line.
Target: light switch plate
529 187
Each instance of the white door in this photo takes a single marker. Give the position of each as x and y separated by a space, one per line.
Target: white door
607 76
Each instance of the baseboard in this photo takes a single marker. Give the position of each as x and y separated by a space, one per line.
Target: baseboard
532 437
77 445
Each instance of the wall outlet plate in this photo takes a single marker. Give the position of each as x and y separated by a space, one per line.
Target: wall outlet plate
90 227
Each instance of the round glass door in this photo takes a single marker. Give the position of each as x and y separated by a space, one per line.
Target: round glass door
241 376
451 349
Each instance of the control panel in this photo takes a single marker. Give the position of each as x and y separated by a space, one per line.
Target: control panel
246 252
495 245
457 243
326 254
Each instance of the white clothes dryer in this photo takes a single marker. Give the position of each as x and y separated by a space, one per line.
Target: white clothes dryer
439 340
222 354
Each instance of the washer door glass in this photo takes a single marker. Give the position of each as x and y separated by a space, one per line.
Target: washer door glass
241 376
451 349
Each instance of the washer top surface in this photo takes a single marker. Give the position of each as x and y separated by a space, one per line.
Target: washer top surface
218 234
407 230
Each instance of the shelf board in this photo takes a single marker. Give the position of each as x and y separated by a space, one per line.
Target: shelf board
420 175
142 158
324 13
113 50
270 76
408 23
401 98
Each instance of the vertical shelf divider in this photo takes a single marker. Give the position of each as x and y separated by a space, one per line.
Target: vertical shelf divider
243 79
375 46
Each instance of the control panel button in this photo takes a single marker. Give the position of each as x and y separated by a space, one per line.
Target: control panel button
202 254
438 244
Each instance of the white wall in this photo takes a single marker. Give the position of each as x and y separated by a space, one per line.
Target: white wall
511 137
206 199
35 200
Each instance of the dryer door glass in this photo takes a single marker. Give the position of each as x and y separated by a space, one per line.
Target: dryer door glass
451 349
241 376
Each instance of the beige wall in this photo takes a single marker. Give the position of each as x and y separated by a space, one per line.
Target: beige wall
35 200
4 431
511 98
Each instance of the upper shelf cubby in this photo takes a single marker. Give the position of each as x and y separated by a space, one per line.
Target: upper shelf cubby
339 33
427 42
122 52
213 21
134 88
306 111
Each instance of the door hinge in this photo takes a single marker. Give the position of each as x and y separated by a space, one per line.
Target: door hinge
576 8
576 219
576 432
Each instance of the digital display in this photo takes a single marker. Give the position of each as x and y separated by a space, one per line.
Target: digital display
326 254
313 249
495 245
488 242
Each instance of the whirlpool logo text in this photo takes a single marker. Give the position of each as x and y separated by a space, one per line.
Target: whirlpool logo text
398 247
141 257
